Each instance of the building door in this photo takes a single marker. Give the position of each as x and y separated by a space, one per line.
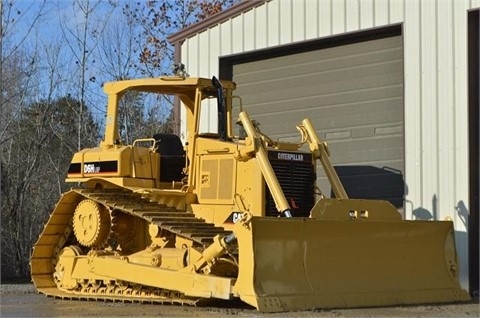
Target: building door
352 90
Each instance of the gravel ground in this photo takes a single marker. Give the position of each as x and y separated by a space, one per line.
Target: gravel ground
21 300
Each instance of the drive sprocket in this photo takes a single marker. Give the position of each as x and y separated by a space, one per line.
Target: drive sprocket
91 223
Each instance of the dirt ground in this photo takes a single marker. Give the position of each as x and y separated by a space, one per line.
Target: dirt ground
21 300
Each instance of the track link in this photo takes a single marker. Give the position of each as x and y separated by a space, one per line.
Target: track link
130 295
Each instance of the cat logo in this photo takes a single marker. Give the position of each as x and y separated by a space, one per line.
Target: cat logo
233 218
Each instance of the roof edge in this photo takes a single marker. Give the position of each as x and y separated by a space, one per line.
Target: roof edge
214 20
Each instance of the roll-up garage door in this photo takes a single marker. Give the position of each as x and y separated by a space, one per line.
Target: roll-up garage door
354 96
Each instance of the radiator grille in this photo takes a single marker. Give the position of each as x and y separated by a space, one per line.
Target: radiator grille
296 175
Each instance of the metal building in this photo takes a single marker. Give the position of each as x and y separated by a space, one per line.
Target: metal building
392 85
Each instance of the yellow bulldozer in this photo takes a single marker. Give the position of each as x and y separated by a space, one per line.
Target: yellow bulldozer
228 216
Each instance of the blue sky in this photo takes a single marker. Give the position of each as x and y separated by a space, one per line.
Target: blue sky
52 22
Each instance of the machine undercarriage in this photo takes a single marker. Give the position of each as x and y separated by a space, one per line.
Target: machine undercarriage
102 227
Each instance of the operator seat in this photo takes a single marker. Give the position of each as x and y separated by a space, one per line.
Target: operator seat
172 157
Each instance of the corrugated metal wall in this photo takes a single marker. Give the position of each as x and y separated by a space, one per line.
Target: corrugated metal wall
435 70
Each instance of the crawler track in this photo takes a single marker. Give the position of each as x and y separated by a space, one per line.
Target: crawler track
59 228
181 223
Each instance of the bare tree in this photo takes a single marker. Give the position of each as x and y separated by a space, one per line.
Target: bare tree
17 64
82 38
34 133
14 65
156 20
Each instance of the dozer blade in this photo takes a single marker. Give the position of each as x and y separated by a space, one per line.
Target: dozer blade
293 264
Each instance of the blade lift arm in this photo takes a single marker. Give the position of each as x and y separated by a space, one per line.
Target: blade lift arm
320 151
257 149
